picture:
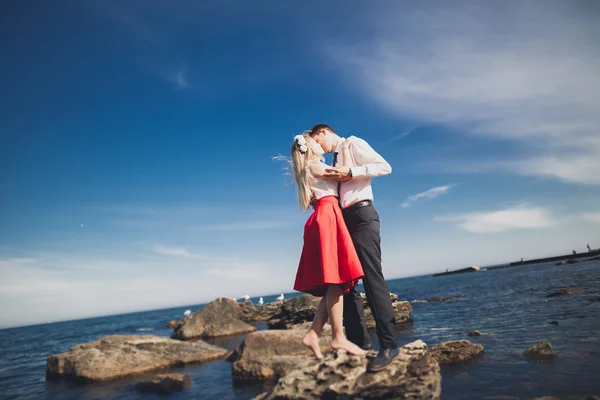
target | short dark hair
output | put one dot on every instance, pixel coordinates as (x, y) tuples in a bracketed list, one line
[(318, 127)]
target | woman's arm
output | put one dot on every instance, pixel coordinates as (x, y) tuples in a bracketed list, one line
[(317, 169), (346, 161)]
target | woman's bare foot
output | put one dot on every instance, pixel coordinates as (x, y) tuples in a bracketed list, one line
[(345, 344), (311, 340)]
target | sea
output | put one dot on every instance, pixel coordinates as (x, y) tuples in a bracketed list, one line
[(509, 304)]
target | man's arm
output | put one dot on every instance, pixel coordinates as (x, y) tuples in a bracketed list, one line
[(368, 162)]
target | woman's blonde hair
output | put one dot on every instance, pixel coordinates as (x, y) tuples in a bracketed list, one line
[(301, 155)]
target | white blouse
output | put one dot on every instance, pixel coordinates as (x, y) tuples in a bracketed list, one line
[(322, 187)]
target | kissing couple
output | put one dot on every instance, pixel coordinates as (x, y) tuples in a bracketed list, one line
[(342, 242)]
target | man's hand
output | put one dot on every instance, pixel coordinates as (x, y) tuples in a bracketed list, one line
[(341, 174)]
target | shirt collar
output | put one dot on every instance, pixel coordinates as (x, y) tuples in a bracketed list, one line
[(338, 148)]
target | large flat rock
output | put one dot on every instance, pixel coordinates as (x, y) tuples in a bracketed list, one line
[(268, 355), (414, 374), (115, 356)]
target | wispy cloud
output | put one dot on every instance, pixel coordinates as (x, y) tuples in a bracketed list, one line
[(171, 251), (526, 75), (521, 217), (428, 194), (592, 217), (399, 136)]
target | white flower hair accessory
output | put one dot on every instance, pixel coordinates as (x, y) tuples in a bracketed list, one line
[(301, 142)]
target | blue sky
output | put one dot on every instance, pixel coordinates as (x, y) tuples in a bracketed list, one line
[(137, 141)]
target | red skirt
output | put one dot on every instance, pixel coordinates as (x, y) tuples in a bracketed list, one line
[(328, 254)]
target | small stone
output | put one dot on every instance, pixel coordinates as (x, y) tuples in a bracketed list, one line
[(456, 352), (474, 333), (540, 350), (564, 291), (172, 324)]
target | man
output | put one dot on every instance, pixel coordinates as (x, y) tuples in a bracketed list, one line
[(356, 199)]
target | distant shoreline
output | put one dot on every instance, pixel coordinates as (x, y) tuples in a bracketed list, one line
[(564, 257)]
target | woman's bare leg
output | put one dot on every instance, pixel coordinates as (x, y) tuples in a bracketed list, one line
[(311, 340), (335, 309)]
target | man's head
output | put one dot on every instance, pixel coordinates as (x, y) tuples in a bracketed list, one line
[(325, 136)]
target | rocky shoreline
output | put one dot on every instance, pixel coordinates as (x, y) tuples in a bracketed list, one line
[(276, 355)]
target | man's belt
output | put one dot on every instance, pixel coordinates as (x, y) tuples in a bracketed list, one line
[(362, 203)]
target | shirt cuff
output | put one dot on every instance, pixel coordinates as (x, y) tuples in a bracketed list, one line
[(358, 171)]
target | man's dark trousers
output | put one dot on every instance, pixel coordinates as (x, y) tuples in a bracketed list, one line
[(363, 224)]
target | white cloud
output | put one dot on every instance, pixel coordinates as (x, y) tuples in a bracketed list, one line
[(171, 251), (502, 220), (592, 217), (523, 74), (428, 194)]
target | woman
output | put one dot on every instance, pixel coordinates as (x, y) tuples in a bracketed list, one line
[(329, 265)]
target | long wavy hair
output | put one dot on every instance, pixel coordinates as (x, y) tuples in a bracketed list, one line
[(299, 171)]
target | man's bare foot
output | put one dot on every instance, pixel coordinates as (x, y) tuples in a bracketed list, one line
[(345, 344), (311, 340)]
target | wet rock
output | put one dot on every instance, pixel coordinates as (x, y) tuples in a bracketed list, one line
[(414, 374), (165, 384), (564, 291), (268, 355), (218, 318), (553, 322), (456, 352), (115, 356), (172, 324), (402, 311), (540, 350), (438, 299), (475, 332), (572, 261)]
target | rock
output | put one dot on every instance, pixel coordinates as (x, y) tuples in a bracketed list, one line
[(269, 369), (218, 318), (165, 384), (268, 355), (564, 291), (172, 324), (438, 299), (115, 356), (402, 311), (474, 333), (456, 352), (301, 309), (393, 298), (572, 261), (247, 311), (553, 322), (540, 350), (414, 374), (267, 311), (295, 311)]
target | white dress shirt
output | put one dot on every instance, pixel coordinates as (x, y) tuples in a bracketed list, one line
[(365, 163)]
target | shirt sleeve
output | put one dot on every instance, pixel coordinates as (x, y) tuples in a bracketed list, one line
[(368, 162)]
